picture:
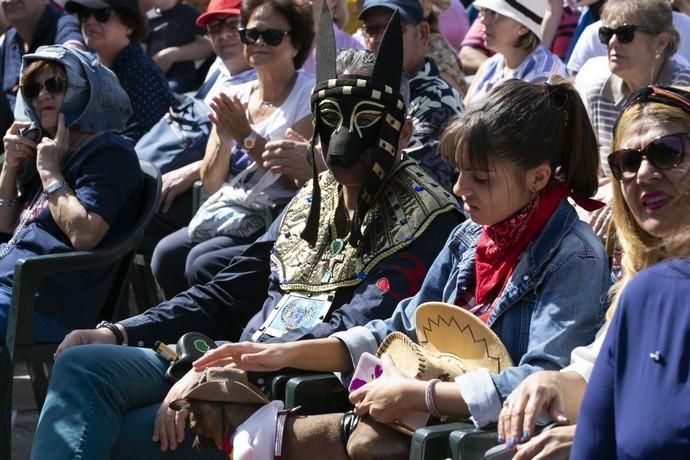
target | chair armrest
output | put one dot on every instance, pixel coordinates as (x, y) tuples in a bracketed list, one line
[(29, 272), (431, 442), (316, 393), (197, 193), (471, 444)]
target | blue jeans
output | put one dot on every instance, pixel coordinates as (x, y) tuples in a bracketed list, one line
[(101, 404), (46, 329)]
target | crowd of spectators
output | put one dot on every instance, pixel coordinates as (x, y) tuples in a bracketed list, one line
[(504, 113)]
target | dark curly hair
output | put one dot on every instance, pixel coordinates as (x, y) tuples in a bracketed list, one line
[(298, 14)]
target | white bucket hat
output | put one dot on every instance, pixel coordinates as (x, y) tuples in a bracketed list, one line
[(529, 13)]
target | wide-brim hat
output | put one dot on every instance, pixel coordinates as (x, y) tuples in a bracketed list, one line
[(221, 385), (219, 8), (529, 13), (451, 342)]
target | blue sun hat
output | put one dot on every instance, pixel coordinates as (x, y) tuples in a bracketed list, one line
[(94, 100)]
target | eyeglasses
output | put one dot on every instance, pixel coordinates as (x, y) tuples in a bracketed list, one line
[(625, 33), (100, 14), (54, 85), (664, 152), (272, 37), (215, 26), (490, 14)]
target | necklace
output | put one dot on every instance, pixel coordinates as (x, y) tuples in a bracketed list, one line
[(338, 244)]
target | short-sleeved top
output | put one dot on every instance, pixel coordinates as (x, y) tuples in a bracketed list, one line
[(296, 107), (106, 178), (146, 87), (54, 27), (538, 66), (603, 95), (637, 402), (433, 102), (224, 80), (173, 27)]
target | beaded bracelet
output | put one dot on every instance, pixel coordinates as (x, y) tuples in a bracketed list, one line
[(7, 203), (429, 398)]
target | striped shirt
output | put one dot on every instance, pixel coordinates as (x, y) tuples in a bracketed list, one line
[(604, 96), (538, 66)]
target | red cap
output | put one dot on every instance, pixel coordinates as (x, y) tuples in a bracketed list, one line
[(219, 7)]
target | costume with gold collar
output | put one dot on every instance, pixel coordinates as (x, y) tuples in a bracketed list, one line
[(409, 202)]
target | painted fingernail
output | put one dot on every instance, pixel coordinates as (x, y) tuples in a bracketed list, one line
[(499, 439), (511, 443), (525, 436)]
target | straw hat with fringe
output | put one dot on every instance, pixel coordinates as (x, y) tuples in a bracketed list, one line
[(452, 342)]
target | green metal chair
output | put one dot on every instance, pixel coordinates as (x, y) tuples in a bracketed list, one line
[(19, 344)]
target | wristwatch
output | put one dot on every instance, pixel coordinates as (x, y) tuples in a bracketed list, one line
[(249, 141), (54, 187)]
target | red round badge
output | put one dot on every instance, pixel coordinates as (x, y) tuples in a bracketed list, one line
[(383, 284)]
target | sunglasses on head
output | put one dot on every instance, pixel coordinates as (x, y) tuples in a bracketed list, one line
[(625, 33), (100, 14), (272, 37), (215, 26), (54, 85), (664, 152)]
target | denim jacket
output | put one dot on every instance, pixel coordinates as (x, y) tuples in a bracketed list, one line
[(553, 302)]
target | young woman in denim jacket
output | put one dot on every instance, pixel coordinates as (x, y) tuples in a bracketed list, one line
[(543, 274)]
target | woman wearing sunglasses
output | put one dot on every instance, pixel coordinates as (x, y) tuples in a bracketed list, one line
[(513, 31), (114, 30), (277, 37), (66, 183), (641, 40), (650, 168)]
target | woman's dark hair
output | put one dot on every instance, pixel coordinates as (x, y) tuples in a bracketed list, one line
[(300, 17), (135, 21), (529, 125), (32, 70)]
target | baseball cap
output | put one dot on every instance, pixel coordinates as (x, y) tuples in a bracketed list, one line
[(410, 10), (217, 8), (73, 6)]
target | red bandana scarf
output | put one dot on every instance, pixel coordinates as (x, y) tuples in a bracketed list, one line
[(500, 245)]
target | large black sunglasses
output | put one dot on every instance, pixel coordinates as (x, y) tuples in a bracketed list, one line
[(625, 33), (53, 85), (664, 152), (272, 37)]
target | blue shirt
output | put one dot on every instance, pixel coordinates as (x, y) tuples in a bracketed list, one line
[(146, 87), (106, 178), (433, 103), (54, 27), (637, 402)]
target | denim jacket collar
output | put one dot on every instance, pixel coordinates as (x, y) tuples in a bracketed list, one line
[(530, 267)]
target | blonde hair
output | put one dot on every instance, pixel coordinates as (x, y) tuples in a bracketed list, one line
[(641, 249)]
